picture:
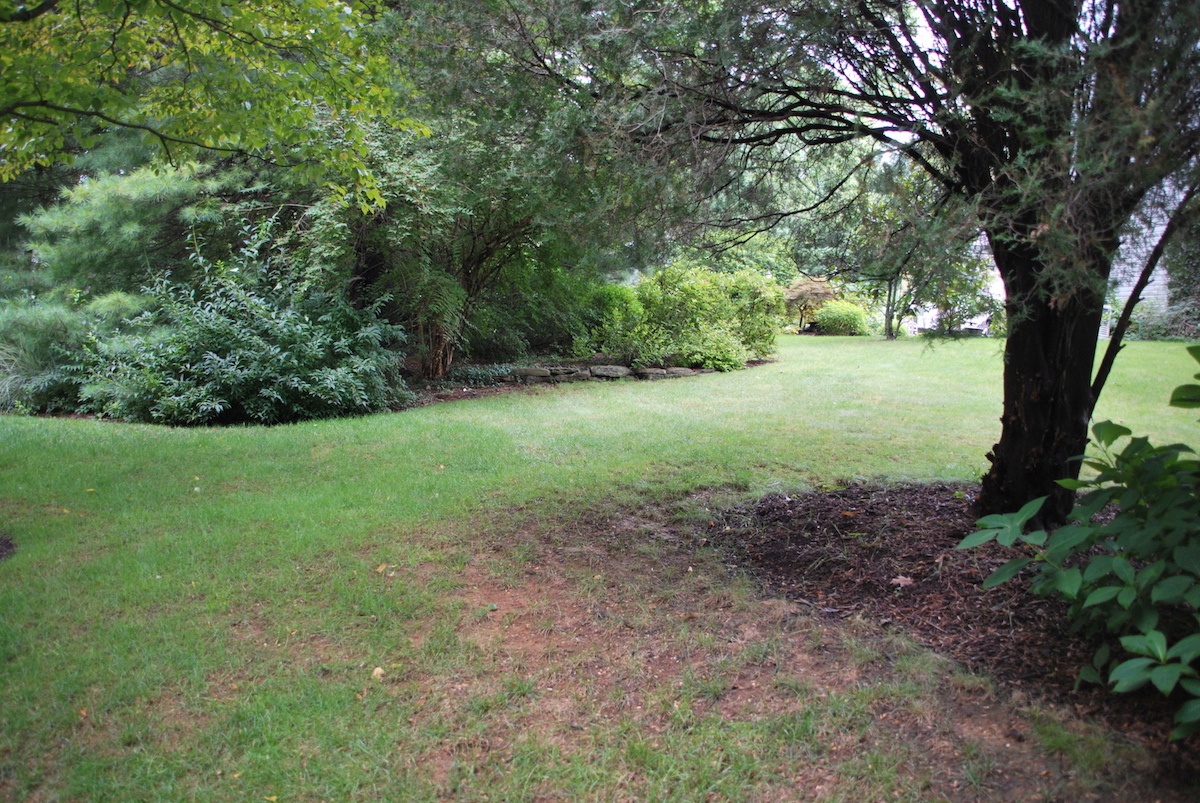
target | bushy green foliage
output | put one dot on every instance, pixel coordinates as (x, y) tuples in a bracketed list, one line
[(692, 317), (118, 232), (40, 344), (241, 349), (35, 341), (1136, 577), (842, 318), (1152, 321)]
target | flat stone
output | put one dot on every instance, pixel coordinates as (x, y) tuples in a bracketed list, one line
[(574, 376), (651, 373), (530, 372), (610, 371), (680, 372)]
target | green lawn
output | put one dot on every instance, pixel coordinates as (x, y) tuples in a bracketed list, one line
[(195, 614)]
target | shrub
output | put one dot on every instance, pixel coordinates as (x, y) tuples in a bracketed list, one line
[(842, 318), (35, 343), (238, 351), (1152, 321), (1136, 577), (40, 345), (692, 317)]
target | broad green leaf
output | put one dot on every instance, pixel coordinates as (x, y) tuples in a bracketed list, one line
[(1153, 644), (1186, 396), (1145, 618), (1101, 595), (1165, 677), (1188, 712), (1006, 572), (1099, 567), (1131, 674), (1170, 589), (1123, 570), (1031, 509), (1072, 485), (1189, 558), (975, 539), (1127, 596), (1107, 432), (1186, 649), (1191, 685), (1068, 582)]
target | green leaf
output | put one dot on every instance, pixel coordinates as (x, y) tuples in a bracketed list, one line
[(1171, 589), (1186, 649), (1123, 570), (1189, 558), (1072, 485), (1186, 396), (1191, 685), (978, 538), (1145, 618), (1127, 597), (1101, 595), (1068, 582), (1006, 572), (1165, 677), (1153, 644), (1031, 509), (1107, 432), (1089, 674), (1188, 712), (1131, 674), (1099, 567)]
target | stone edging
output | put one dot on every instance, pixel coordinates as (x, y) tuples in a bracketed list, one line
[(577, 373)]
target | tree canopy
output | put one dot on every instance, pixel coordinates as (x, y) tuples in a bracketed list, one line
[(251, 77)]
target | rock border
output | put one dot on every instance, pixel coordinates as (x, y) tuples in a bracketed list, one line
[(528, 375)]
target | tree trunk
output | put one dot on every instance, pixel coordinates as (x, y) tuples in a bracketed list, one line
[(1047, 389)]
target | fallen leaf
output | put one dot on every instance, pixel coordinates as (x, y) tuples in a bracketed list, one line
[(380, 568), (378, 673), (902, 581)]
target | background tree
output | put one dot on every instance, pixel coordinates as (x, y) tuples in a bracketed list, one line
[(1053, 119)]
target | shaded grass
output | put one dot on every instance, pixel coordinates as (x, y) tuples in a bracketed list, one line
[(198, 613)]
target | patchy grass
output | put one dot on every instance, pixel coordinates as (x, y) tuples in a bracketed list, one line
[(503, 598)]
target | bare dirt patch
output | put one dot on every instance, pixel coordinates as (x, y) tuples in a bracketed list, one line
[(887, 553), (621, 621)]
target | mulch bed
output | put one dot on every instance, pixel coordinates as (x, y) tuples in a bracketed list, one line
[(888, 553)]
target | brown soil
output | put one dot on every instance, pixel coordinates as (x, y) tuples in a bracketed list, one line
[(888, 554), (7, 545)]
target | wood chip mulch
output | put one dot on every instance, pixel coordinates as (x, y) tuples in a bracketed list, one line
[(887, 553)]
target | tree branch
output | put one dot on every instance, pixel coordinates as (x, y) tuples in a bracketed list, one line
[(26, 14), (1118, 334)]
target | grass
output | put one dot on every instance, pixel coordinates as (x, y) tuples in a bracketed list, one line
[(199, 613)]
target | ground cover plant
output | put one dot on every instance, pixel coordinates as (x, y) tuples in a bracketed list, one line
[(516, 597)]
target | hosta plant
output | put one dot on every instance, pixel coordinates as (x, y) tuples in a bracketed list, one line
[(1135, 575)]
